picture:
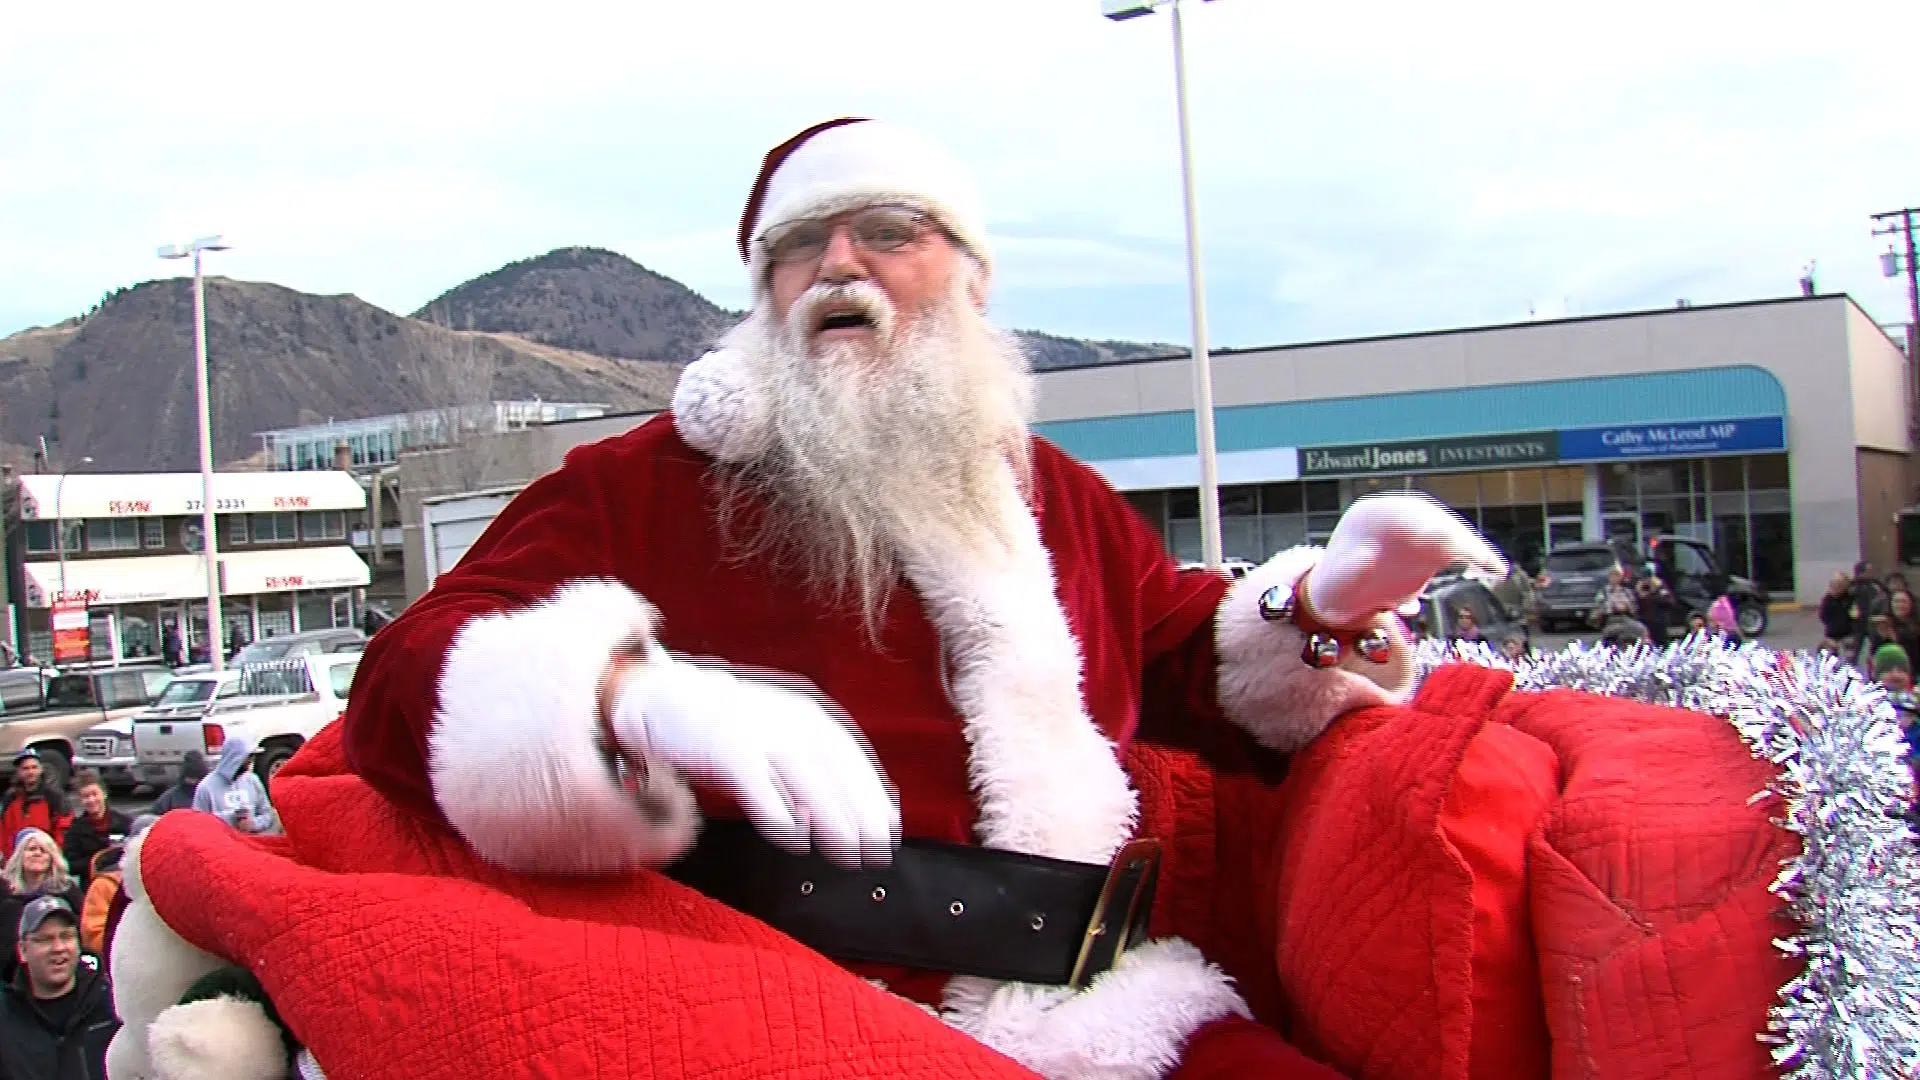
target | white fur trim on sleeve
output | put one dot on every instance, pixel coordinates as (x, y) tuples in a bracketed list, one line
[(513, 754), (1131, 1023), (1267, 689)]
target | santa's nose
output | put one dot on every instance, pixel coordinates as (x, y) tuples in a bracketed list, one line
[(841, 261)]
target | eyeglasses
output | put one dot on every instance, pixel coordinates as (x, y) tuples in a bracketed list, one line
[(878, 228)]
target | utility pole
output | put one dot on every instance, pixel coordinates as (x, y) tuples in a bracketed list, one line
[(1901, 222)]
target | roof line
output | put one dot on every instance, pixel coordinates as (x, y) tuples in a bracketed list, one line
[(1520, 325)]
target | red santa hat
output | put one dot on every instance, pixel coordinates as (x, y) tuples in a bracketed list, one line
[(845, 164)]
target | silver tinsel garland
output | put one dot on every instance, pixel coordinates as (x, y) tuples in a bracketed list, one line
[(1854, 889)]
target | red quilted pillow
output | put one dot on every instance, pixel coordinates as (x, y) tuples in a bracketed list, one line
[(1403, 939)]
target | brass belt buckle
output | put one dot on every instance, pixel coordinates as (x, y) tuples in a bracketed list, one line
[(1142, 855)]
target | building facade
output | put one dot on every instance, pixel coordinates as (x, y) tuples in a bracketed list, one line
[(130, 547), (1778, 432), (379, 440)]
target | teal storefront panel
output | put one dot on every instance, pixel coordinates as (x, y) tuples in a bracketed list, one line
[(1741, 391)]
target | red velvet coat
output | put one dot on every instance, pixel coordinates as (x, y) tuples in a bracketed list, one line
[(638, 508)]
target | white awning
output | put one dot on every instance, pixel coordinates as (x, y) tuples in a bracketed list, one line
[(184, 577), (245, 573), (117, 581), (100, 495)]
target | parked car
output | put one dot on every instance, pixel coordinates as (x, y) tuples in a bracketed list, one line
[(279, 705), (1447, 594), (1696, 578), (1572, 577), (108, 748), (23, 689), (74, 702), (1575, 574), (339, 639), (1233, 568)]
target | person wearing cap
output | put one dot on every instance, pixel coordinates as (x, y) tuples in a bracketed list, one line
[(57, 1018), (31, 802), (847, 652), (36, 868)]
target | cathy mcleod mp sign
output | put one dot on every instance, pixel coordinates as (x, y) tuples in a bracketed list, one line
[(1432, 455)]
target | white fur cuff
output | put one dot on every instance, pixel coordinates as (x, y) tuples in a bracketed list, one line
[(1264, 685), (222, 1038), (514, 756), (1131, 1023)]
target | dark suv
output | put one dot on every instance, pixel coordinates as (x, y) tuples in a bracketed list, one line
[(1571, 577), (1575, 574)]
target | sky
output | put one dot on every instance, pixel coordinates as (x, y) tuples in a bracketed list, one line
[(1361, 168)]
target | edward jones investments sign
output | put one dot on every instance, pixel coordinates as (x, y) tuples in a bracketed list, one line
[(1432, 455)]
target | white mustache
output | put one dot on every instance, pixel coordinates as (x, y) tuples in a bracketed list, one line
[(803, 318)]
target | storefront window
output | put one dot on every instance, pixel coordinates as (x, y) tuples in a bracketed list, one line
[(153, 533), (139, 632), (276, 614), (235, 532), (316, 610)]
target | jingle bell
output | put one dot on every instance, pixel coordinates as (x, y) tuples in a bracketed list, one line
[(1276, 604), (1321, 651), (1374, 646)]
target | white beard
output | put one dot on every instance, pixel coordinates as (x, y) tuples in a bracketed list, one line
[(878, 453)]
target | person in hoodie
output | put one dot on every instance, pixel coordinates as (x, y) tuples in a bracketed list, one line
[(193, 769), (232, 793)]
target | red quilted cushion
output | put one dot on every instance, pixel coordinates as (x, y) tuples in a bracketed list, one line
[(1401, 934), (1506, 782), (1651, 909), (388, 964), (1637, 944)]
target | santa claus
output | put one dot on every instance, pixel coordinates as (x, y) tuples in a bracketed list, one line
[(892, 649)]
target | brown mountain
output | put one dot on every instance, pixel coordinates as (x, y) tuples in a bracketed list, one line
[(586, 299), (118, 385), (575, 324)]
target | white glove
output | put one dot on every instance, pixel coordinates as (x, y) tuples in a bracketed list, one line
[(1384, 551), (796, 765)]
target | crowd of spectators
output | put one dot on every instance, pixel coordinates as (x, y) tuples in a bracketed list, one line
[(61, 896)]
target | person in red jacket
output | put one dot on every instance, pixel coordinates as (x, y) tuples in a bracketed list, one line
[(31, 803)]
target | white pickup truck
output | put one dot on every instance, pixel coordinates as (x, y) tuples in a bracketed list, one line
[(280, 705)]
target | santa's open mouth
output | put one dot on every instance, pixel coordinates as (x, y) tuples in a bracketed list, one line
[(845, 320)]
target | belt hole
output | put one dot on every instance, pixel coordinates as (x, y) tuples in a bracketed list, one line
[(1038, 922), (879, 893), (806, 888), (956, 909)]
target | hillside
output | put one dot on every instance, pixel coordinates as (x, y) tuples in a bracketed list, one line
[(575, 324), (585, 299), (1049, 352), (119, 386), (605, 303)]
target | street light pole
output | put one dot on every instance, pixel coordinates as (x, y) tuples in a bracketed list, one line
[(209, 539), (1204, 444), (60, 525)]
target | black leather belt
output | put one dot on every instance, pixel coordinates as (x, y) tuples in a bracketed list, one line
[(940, 907)]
